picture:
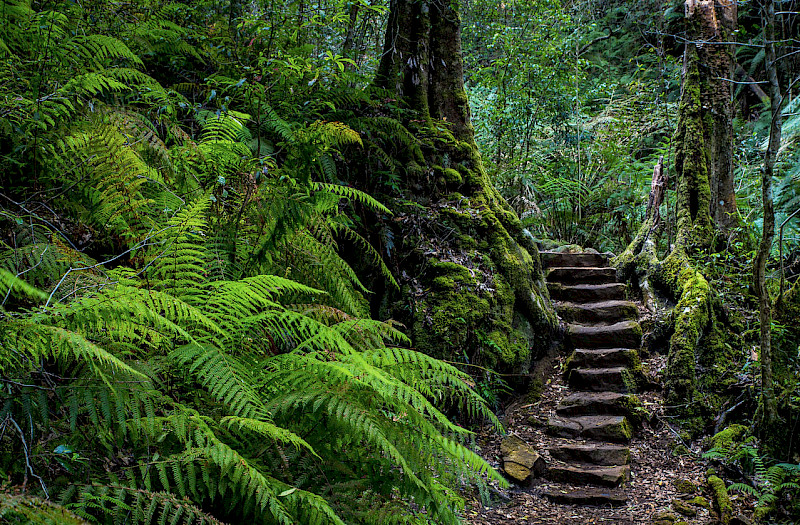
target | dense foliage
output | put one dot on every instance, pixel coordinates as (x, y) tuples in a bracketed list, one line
[(192, 258), (180, 338)]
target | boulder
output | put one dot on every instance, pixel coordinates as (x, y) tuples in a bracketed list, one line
[(520, 460)]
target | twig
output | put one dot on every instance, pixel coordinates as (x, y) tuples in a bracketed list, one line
[(27, 456)]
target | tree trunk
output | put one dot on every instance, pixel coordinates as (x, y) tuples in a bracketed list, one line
[(706, 205), (472, 285), (768, 401), (711, 26)]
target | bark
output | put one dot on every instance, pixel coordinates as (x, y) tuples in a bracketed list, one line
[(706, 205), (473, 286), (349, 37), (768, 402), (422, 62), (711, 26)]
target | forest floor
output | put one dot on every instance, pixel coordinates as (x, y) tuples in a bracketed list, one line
[(657, 466)]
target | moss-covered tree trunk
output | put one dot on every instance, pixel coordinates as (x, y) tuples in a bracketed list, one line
[(472, 284), (706, 205), (711, 26), (769, 404)]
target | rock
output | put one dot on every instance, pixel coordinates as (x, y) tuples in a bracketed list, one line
[(582, 275), (682, 507), (615, 379), (553, 259), (624, 334), (740, 520), (587, 293), (729, 436), (700, 501), (604, 476), (603, 358), (684, 486), (535, 422), (591, 250), (602, 428), (599, 312), (596, 454), (569, 248), (601, 403), (545, 244), (520, 460), (661, 518), (592, 496)]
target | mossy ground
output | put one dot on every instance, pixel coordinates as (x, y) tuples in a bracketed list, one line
[(22, 510)]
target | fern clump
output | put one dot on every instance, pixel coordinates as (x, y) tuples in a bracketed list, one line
[(183, 338)]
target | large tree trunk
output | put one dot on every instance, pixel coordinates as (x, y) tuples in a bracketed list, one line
[(706, 205), (472, 284), (769, 404), (711, 26)]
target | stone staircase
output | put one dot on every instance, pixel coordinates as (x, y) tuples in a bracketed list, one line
[(601, 413)]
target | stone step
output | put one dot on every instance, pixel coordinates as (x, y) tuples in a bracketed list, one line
[(573, 260), (588, 497), (615, 379), (594, 454), (589, 475), (602, 428), (586, 293), (579, 275), (602, 312), (603, 358), (625, 334), (601, 404)]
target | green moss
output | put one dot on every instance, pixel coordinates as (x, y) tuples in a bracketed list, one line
[(722, 502), (724, 439), (456, 217), (629, 379), (467, 242), (452, 177), (695, 227), (22, 510), (693, 314), (535, 391), (700, 501), (444, 283), (681, 507), (680, 450), (621, 432), (455, 271), (684, 486)]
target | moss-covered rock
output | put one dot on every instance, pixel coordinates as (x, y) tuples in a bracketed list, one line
[(684, 486), (727, 437), (700, 501), (722, 501), (663, 518), (520, 460), (682, 507)]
